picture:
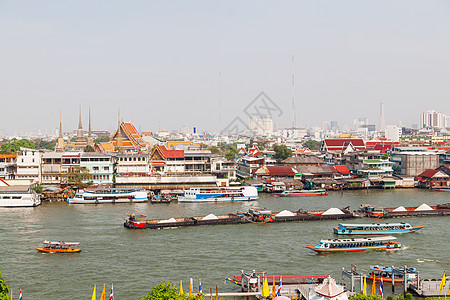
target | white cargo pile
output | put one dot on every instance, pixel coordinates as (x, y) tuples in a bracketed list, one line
[(210, 217), (285, 213), (171, 220), (333, 211), (423, 207), (400, 208)]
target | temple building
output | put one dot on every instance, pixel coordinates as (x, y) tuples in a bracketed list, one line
[(125, 139), (80, 141)]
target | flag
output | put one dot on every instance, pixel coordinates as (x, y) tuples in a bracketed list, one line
[(20, 295), (279, 288), (364, 287), (373, 284), (442, 285), (93, 294), (190, 287), (381, 286), (102, 297), (181, 288), (200, 292), (217, 293), (274, 291), (265, 291), (111, 296), (210, 294)]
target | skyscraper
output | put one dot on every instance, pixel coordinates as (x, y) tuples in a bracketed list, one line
[(382, 121)]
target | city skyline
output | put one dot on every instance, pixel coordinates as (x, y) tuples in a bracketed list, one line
[(202, 63)]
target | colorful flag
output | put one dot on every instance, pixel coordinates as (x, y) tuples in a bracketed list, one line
[(217, 293), (181, 288), (279, 288), (364, 287), (102, 297), (200, 292), (20, 295), (111, 296), (442, 285), (381, 286), (190, 286), (274, 291), (93, 294), (373, 284)]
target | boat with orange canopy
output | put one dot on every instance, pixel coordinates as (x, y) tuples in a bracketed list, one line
[(59, 247)]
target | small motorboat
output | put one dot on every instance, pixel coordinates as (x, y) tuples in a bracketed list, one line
[(59, 247)]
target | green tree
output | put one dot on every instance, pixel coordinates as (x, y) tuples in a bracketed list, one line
[(13, 146), (362, 297), (228, 150), (215, 150), (4, 289), (281, 152), (42, 144), (38, 188), (78, 176), (102, 139), (89, 148), (168, 291), (312, 144)]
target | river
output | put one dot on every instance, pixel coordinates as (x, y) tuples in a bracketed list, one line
[(135, 260)]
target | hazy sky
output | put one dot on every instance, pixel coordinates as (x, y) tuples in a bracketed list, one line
[(159, 61)]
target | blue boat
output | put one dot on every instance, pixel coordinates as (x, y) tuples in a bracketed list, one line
[(375, 229), (219, 194)]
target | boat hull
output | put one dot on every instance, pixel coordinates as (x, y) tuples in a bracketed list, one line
[(44, 250), (375, 232), (302, 194), (392, 246), (215, 199), (98, 201)]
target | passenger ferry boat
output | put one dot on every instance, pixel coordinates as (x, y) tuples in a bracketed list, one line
[(114, 195), (59, 247), (18, 196), (378, 272), (219, 194), (299, 193), (375, 229), (353, 245)]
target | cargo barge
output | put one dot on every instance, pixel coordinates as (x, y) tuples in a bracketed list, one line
[(254, 215), (424, 210)]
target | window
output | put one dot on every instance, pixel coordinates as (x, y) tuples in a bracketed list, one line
[(106, 168), (95, 168)]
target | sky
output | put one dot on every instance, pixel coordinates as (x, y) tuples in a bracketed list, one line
[(169, 64)]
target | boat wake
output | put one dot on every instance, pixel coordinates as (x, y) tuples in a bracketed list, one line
[(419, 260)]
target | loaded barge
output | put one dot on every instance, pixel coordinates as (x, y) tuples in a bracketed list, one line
[(424, 210), (254, 215)]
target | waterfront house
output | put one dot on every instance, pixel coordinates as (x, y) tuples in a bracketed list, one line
[(247, 165), (274, 172), (412, 161), (433, 179), (132, 163), (100, 166), (29, 164), (8, 166)]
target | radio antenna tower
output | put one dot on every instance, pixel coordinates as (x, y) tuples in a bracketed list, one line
[(293, 97)]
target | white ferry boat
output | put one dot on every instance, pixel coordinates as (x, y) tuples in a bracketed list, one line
[(219, 194), (113, 195), (18, 196)]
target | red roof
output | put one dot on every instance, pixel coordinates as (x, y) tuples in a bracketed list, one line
[(171, 153), (340, 144), (280, 170), (428, 173), (342, 169)]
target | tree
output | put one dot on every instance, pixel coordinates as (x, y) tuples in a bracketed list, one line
[(312, 144), (215, 150), (41, 144), (13, 146), (281, 152), (102, 139), (168, 291), (4, 289), (37, 188), (78, 176), (88, 148)]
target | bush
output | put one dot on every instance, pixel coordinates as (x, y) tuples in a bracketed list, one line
[(362, 297), (4, 289), (168, 291)]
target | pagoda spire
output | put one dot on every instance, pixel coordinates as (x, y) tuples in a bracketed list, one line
[(80, 125), (119, 138), (90, 139), (60, 143)]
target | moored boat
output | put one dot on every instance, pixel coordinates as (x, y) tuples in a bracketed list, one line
[(353, 245), (375, 229), (299, 193), (18, 196), (372, 210), (113, 195), (59, 247), (219, 194), (378, 272)]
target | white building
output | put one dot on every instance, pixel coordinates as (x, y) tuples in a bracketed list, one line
[(133, 163), (262, 126), (29, 164), (100, 166), (393, 133)]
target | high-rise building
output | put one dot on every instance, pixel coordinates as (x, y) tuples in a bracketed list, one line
[(393, 133), (382, 121), (434, 119)]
